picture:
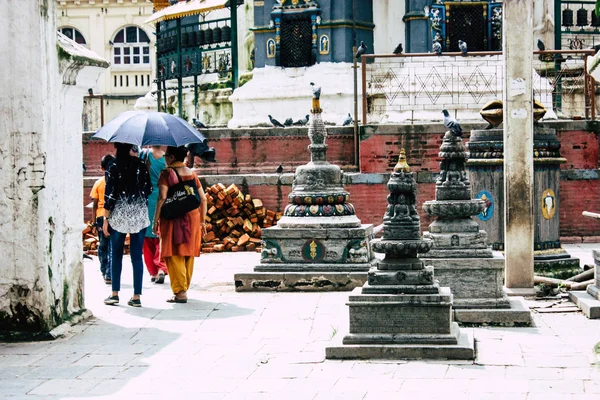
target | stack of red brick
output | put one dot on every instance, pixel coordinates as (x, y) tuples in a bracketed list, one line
[(234, 220)]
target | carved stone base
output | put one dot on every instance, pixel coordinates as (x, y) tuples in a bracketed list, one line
[(475, 283), (404, 326), (418, 314), (459, 245), (463, 350), (328, 245)]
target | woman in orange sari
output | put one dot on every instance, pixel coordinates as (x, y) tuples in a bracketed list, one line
[(180, 238)]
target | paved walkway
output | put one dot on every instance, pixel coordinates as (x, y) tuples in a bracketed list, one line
[(225, 345)]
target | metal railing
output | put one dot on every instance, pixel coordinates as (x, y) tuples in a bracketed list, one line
[(411, 83)]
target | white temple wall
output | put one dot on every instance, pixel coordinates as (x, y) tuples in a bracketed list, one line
[(41, 279), (389, 28)]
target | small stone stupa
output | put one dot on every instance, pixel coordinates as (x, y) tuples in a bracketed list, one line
[(461, 256), (402, 312), (319, 244)]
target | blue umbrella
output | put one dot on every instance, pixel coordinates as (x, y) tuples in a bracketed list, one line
[(145, 128)]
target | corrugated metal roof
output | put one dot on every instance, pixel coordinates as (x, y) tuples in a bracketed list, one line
[(186, 8)]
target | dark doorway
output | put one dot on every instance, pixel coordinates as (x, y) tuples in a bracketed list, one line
[(296, 43), (467, 23)]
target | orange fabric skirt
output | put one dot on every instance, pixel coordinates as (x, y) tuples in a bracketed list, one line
[(191, 248)]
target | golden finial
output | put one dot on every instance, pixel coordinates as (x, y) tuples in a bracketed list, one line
[(402, 165)]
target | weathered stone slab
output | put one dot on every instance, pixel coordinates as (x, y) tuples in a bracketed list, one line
[(315, 268), (474, 282), (404, 314), (460, 253), (404, 338), (453, 226), (588, 304), (463, 350), (402, 277), (298, 281), (458, 240), (517, 314), (348, 221)]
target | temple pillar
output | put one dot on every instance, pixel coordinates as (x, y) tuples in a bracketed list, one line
[(418, 35), (518, 142)]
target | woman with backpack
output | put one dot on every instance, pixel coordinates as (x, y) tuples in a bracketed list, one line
[(180, 237), (126, 212)]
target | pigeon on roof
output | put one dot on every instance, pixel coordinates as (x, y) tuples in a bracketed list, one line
[(348, 120), (275, 122), (302, 121)]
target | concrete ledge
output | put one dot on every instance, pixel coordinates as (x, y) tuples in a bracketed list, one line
[(464, 350), (316, 281), (589, 305), (519, 291), (317, 268), (517, 315)]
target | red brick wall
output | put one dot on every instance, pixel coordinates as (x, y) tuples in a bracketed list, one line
[(261, 151)]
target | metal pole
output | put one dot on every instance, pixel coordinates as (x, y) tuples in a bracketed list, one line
[(179, 78), (158, 91), (234, 43), (355, 68), (196, 96), (364, 89)]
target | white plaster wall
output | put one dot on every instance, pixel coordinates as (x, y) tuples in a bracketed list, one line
[(389, 28), (41, 279), (286, 93), (543, 23)]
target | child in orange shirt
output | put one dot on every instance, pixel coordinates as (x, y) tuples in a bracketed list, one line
[(97, 195)]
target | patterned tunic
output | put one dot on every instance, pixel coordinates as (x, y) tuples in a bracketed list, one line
[(128, 205)]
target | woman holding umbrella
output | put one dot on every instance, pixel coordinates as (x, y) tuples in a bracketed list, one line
[(130, 179), (180, 238), (126, 211)]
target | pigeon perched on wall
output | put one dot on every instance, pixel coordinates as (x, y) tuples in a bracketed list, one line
[(437, 47), (303, 121), (279, 169), (288, 122), (463, 47), (398, 49), (198, 124), (362, 49), (540, 45), (316, 91), (348, 120), (275, 122), (200, 150), (452, 124)]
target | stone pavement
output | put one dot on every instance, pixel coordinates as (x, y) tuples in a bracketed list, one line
[(228, 345)]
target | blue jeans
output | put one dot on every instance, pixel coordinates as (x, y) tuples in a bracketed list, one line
[(136, 243), (103, 250)]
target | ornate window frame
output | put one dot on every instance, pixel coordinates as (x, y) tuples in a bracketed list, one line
[(130, 47)]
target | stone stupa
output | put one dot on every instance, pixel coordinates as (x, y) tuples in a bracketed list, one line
[(460, 255), (402, 312), (319, 244)]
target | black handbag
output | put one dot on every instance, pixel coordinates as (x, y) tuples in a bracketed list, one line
[(182, 198)]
